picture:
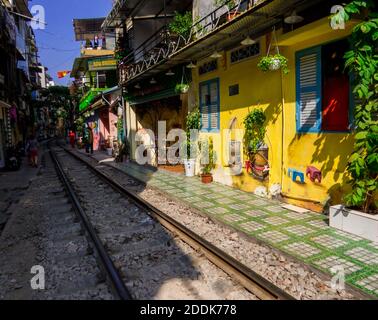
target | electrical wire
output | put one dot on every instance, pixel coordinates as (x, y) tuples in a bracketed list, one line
[(63, 62), (58, 49)]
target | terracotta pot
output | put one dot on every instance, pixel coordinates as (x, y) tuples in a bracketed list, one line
[(232, 15), (206, 178)]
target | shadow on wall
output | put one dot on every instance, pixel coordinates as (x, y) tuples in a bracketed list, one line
[(331, 153)]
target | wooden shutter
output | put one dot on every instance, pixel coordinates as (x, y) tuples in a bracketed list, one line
[(209, 105), (214, 105), (308, 87), (204, 107)]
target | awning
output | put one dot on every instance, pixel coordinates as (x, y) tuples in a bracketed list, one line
[(87, 29), (167, 93), (22, 6), (4, 105), (112, 90)]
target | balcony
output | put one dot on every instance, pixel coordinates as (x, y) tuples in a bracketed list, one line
[(163, 46), (220, 29)]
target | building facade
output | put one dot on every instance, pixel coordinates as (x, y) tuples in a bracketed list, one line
[(18, 75), (96, 81), (308, 111)]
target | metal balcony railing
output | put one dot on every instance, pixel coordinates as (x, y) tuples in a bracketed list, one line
[(162, 45)]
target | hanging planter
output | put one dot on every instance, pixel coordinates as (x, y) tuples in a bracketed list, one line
[(182, 88), (273, 62)]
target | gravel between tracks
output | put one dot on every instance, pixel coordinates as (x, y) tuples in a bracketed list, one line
[(42, 231), (154, 263)]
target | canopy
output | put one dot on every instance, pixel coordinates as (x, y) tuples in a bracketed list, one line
[(87, 29)]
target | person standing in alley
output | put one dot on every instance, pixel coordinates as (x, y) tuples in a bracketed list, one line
[(89, 139), (27, 150), (71, 136), (33, 151)]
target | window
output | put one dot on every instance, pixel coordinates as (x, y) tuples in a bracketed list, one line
[(323, 89), (245, 52), (209, 105), (208, 67)]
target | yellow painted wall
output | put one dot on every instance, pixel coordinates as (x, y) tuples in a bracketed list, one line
[(326, 151), (253, 89), (270, 91)]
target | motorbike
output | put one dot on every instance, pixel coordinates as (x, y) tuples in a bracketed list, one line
[(13, 158)]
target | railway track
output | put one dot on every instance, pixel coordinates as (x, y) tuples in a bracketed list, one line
[(146, 253), (71, 267)]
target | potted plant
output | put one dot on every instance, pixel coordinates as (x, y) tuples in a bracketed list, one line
[(124, 152), (273, 63), (232, 11), (207, 151), (190, 159), (182, 88), (359, 213), (255, 130), (181, 25), (193, 122)]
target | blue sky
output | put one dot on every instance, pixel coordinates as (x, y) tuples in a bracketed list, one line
[(57, 45)]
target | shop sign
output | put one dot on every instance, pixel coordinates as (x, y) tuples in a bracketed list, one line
[(97, 65)]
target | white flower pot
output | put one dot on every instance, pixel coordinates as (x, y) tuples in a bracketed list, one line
[(185, 89), (358, 223), (109, 151), (275, 65), (190, 166)]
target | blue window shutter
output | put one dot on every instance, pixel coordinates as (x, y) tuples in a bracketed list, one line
[(214, 106), (209, 105), (204, 108), (309, 90)]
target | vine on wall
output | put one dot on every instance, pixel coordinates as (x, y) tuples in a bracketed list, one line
[(362, 62)]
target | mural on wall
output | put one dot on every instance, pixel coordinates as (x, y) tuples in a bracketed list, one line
[(295, 174), (312, 173)]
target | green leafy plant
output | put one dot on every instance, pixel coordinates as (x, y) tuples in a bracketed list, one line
[(124, 150), (182, 88), (181, 24), (207, 146), (255, 130), (362, 62), (273, 62), (229, 3), (120, 124), (193, 122)]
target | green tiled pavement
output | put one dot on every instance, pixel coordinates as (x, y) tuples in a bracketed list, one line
[(305, 236)]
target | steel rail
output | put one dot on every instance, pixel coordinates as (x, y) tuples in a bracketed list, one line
[(248, 278), (107, 263)]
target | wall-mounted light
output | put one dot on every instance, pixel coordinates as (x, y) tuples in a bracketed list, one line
[(248, 41), (191, 65), (137, 86), (293, 18), (153, 81), (170, 73), (216, 55)]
